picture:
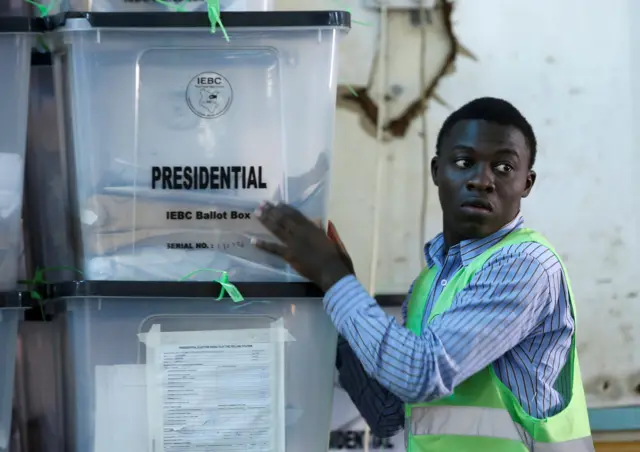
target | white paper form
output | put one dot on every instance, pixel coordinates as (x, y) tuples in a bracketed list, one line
[(121, 409), (215, 391)]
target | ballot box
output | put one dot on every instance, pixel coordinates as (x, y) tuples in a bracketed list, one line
[(167, 366), (38, 395), (46, 212), (11, 312), (16, 38), (164, 6), (175, 135)]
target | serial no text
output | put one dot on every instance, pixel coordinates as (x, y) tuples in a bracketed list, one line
[(207, 215)]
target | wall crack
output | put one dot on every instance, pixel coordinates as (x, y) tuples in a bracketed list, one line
[(398, 127)]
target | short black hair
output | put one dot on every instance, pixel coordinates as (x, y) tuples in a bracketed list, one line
[(491, 109)]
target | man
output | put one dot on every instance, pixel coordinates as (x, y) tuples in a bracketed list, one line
[(486, 360)]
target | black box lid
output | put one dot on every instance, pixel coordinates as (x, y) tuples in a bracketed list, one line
[(188, 289), (171, 289), (15, 299), (22, 24), (271, 19)]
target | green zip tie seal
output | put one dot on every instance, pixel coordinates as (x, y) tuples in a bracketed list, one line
[(213, 10), (226, 286), (38, 280), (171, 5), (44, 10)]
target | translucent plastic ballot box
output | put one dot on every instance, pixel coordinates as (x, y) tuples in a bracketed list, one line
[(38, 421), (164, 6), (175, 135), (16, 38), (46, 211), (167, 366), (11, 312)]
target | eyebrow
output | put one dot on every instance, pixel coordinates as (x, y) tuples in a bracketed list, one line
[(509, 151), (502, 151), (462, 147)]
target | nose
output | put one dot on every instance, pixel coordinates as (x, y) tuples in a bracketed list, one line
[(482, 179)]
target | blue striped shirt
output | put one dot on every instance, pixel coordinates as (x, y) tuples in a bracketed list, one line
[(515, 313)]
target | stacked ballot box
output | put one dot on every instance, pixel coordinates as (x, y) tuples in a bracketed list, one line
[(151, 142), (12, 307), (166, 366), (173, 136), (17, 35)]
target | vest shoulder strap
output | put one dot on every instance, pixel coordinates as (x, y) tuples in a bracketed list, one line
[(466, 273), (418, 300), (424, 283), (513, 238)]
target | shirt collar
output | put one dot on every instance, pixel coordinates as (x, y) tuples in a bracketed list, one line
[(468, 249)]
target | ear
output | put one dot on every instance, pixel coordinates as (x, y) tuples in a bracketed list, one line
[(434, 170), (531, 179)]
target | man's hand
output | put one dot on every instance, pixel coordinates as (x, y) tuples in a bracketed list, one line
[(305, 245), (332, 233)]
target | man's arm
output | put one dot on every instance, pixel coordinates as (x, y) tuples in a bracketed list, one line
[(383, 411), (502, 304)]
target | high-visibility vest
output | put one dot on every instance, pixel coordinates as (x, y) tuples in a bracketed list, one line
[(482, 414)]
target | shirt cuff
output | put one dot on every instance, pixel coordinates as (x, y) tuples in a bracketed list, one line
[(344, 299)]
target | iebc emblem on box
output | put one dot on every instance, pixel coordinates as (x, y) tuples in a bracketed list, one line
[(209, 95)]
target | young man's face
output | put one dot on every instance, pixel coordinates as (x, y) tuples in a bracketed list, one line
[(482, 172)]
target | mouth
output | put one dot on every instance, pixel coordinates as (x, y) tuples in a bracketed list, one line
[(477, 205)]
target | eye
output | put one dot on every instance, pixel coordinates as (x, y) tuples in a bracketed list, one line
[(463, 163), (504, 168)]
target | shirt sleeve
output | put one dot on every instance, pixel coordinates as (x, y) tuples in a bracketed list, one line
[(501, 306), (382, 410)]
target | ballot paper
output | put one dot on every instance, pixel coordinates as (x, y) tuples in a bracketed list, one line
[(215, 391)]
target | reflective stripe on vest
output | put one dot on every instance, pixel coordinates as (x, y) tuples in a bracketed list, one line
[(486, 422)]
